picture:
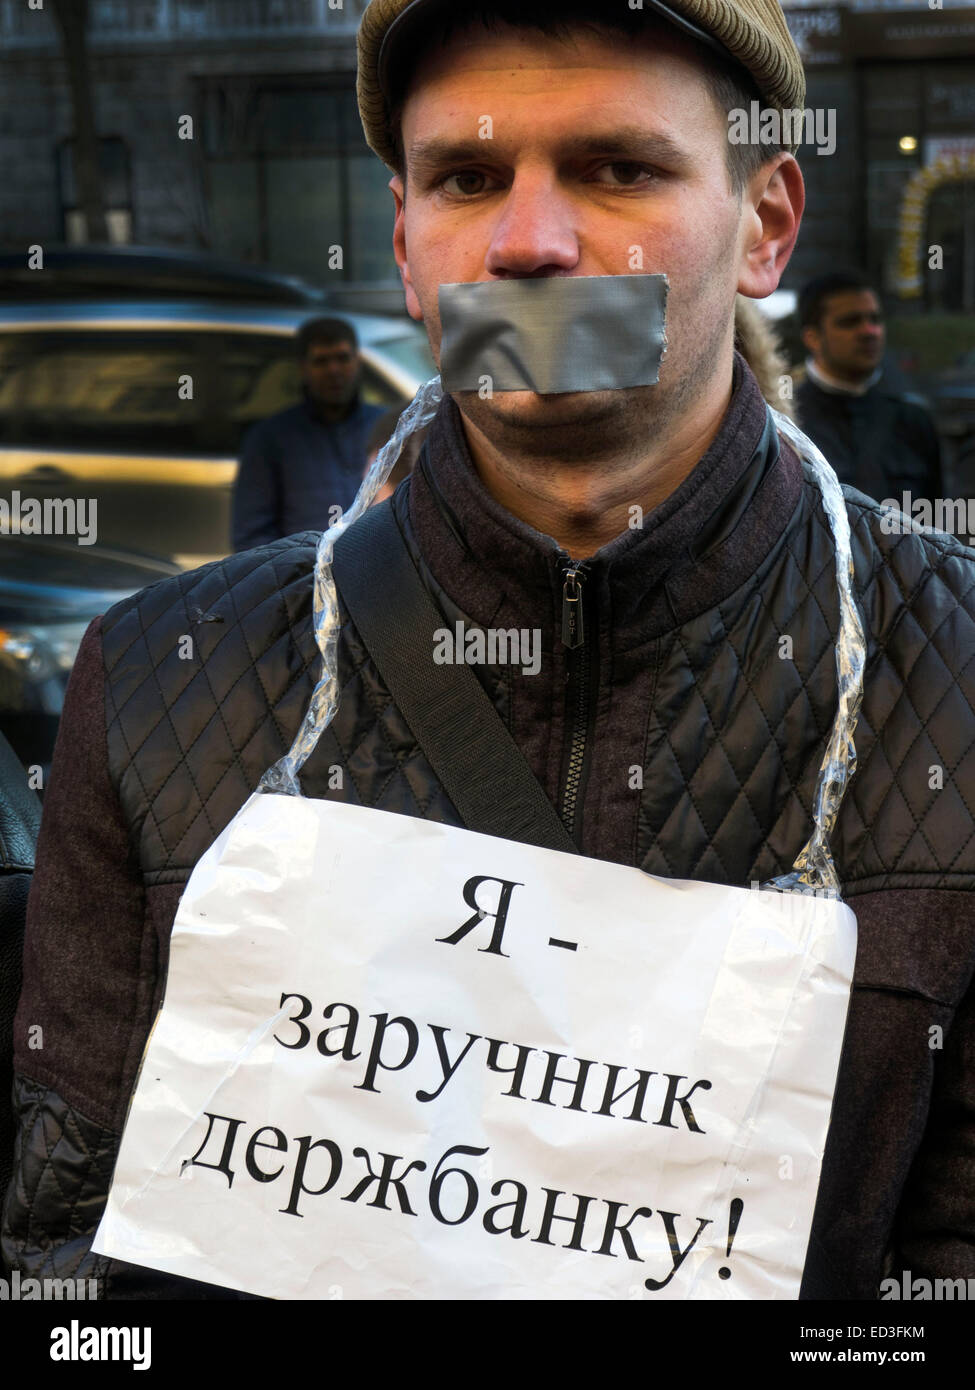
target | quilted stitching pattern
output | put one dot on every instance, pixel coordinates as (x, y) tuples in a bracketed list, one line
[(737, 732), (736, 727), (919, 713), (371, 739), (63, 1166), (735, 736), (241, 630)]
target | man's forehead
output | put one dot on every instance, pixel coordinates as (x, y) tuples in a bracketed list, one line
[(489, 56), (852, 302), (330, 349), (600, 76)]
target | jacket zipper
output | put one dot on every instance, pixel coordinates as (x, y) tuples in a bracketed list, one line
[(578, 693)]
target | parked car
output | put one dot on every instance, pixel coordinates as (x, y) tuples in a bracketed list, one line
[(141, 405), (173, 272), (50, 589), (149, 272)]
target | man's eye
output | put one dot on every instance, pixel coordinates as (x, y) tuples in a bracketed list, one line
[(467, 183), (465, 178), (626, 175)]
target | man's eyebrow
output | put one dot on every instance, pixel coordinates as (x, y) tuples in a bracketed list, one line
[(427, 156)]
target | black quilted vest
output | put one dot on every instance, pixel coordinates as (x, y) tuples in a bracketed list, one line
[(208, 675)]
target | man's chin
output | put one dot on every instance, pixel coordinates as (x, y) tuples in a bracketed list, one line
[(869, 358), (530, 410)]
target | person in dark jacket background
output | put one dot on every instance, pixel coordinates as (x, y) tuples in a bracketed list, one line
[(879, 438), (299, 464)]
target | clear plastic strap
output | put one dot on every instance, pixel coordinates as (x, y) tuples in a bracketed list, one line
[(283, 776), (814, 870)]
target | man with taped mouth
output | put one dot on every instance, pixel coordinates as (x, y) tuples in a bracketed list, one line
[(572, 226)]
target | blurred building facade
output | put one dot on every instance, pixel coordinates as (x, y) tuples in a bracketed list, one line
[(277, 170), (901, 79)]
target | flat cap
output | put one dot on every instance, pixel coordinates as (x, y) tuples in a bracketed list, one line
[(751, 33)]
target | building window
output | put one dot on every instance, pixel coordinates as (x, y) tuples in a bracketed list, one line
[(116, 184), (290, 176), (915, 117), (951, 225)]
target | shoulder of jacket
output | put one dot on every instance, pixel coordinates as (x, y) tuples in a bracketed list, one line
[(908, 818), (250, 590), (909, 403), (923, 562), (920, 557), (915, 400), (264, 422), (281, 419), (915, 587), (287, 415)]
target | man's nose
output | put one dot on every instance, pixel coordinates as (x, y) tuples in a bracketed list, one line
[(535, 228)]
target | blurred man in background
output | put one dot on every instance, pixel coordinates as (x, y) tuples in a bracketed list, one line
[(300, 464), (878, 437)]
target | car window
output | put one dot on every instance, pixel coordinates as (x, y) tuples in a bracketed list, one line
[(376, 390), (259, 375), (101, 390), (410, 351), (11, 354)]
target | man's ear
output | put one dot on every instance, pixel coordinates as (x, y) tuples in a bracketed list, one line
[(399, 248), (772, 205), (811, 339)]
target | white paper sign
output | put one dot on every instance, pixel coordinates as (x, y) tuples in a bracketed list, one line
[(400, 1060)]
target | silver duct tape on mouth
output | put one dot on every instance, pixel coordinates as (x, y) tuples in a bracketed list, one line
[(552, 335)]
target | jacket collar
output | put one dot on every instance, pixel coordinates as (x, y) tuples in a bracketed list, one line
[(692, 551), (834, 387)]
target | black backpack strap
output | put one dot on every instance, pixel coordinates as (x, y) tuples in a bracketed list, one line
[(478, 763)]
